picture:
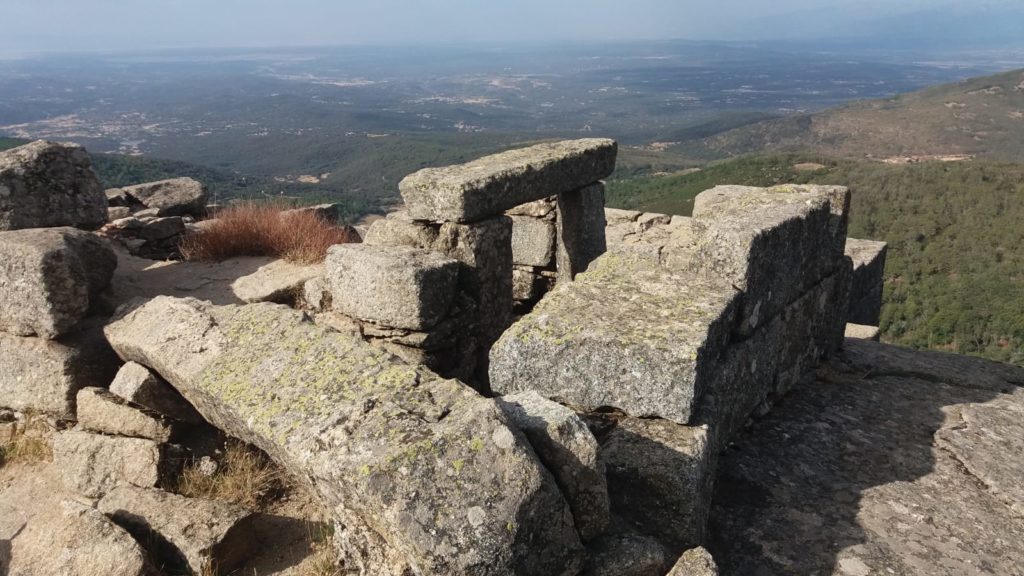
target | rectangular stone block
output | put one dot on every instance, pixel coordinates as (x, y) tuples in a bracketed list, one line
[(533, 241), (641, 339), (101, 411), (94, 464), (46, 184), (489, 186), (395, 286), (581, 229), (49, 278), (660, 479), (46, 375), (772, 243), (173, 197), (867, 281), (136, 384)]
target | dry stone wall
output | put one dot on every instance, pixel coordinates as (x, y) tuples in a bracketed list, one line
[(504, 378)]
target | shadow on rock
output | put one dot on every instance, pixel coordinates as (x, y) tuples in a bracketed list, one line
[(848, 476)]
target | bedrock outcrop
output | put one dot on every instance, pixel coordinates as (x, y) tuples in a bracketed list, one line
[(422, 474)]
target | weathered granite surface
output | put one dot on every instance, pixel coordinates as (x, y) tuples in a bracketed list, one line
[(103, 412), (136, 384), (695, 562), (893, 462), (638, 338), (187, 533), (660, 479), (93, 464), (868, 276), (49, 278), (45, 375), (533, 241), (581, 230), (174, 197), (395, 286), (772, 243), (279, 281), (46, 184), (570, 452), (421, 473), (489, 186), (75, 540)]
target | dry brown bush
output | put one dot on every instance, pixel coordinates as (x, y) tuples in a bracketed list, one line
[(266, 230), (245, 476)]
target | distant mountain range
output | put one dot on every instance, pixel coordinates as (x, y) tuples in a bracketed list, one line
[(981, 117)]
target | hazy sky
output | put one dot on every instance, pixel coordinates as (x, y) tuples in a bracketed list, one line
[(63, 25)]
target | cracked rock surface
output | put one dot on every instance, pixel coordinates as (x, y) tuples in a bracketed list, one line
[(894, 462)]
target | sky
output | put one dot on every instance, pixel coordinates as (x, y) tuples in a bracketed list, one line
[(33, 26)]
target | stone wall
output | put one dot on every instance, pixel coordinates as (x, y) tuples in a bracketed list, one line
[(504, 378)]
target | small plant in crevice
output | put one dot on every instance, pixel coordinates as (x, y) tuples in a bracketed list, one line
[(244, 476), (28, 442)]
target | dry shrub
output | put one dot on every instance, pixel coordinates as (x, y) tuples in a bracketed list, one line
[(28, 444), (244, 476), (265, 230), (324, 559)]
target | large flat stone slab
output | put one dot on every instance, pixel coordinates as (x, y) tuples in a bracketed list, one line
[(398, 287), (489, 186), (423, 474), (49, 278), (94, 464), (46, 184), (639, 338), (173, 197)]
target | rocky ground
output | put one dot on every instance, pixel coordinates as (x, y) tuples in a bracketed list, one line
[(893, 462)]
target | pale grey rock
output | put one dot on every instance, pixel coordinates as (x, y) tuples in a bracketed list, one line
[(581, 230), (72, 539), (423, 474), (93, 464), (616, 217), (988, 442), (862, 332), (625, 554), (46, 184), (279, 281), (101, 411), (147, 213), (489, 186), (395, 286), (772, 243), (525, 284), (174, 197), (161, 228), (569, 450), (543, 208), (191, 533), (649, 220), (399, 230), (316, 293), (484, 251), (640, 339), (868, 277), (861, 472), (660, 479), (695, 562), (45, 375), (116, 198), (533, 241), (118, 212), (136, 384), (49, 278), (128, 223), (328, 212)]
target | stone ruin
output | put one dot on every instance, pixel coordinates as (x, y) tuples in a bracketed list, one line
[(504, 378)]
